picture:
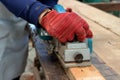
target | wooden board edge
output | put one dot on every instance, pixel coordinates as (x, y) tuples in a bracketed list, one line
[(85, 73)]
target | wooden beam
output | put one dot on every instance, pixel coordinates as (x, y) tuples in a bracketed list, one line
[(85, 73), (107, 6)]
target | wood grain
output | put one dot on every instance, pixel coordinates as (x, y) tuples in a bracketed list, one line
[(85, 73)]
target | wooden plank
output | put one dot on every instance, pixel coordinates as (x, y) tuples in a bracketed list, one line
[(102, 18), (106, 45), (85, 73), (107, 6), (104, 69)]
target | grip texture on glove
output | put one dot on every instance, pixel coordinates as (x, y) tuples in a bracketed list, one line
[(65, 26)]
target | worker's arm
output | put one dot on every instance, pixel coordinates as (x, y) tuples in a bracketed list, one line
[(27, 9), (63, 26)]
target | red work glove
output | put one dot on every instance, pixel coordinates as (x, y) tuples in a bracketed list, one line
[(65, 26)]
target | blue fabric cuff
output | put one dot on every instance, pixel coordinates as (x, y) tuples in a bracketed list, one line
[(35, 11)]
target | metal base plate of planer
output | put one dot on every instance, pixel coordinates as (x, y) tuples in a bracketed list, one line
[(73, 64), (74, 54)]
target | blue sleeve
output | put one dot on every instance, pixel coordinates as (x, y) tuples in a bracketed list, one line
[(26, 9), (49, 2)]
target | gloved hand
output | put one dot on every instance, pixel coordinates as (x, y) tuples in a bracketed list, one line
[(65, 26)]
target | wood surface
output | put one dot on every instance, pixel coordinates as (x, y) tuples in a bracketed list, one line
[(106, 40), (107, 6), (85, 73), (106, 45)]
